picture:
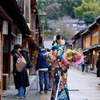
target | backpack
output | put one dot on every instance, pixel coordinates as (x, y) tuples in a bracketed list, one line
[(20, 64), (25, 54)]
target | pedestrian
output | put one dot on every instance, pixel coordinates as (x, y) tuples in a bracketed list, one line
[(49, 67), (98, 66), (25, 54), (42, 68), (86, 62), (21, 79), (83, 67), (59, 69)]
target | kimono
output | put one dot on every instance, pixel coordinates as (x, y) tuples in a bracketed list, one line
[(59, 73)]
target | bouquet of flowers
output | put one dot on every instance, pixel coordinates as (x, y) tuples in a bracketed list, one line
[(73, 57)]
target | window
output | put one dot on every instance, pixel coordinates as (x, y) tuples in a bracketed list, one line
[(88, 38), (74, 25), (95, 34)]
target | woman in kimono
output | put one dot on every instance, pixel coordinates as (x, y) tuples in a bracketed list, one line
[(59, 69)]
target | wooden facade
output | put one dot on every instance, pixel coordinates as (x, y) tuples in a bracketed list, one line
[(90, 41), (1, 57), (12, 15)]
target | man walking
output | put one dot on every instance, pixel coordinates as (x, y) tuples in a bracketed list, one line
[(42, 67)]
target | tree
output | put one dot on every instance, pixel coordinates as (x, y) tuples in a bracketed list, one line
[(67, 32), (66, 7), (53, 11), (46, 25), (87, 5), (89, 17)]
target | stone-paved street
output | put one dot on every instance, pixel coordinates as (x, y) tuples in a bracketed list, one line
[(81, 87)]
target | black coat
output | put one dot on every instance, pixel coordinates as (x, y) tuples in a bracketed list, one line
[(20, 78), (98, 67), (25, 54)]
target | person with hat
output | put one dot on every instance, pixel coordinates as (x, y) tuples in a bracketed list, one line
[(21, 79)]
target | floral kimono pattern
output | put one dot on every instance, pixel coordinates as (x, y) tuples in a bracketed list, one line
[(59, 72)]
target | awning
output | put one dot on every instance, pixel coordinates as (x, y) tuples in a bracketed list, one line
[(86, 50), (12, 9), (98, 19), (90, 48)]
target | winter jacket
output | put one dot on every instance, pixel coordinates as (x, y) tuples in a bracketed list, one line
[(25, 54), (20, 78), (41, 61)]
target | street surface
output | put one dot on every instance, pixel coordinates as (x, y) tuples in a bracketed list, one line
[(81, 87)]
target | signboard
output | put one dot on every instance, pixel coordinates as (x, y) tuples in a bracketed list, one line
[(5, 28), (19, 38)]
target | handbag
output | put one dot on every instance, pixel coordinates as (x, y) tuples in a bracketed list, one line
[(20, 64)]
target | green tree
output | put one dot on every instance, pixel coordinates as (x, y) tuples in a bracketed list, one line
[(67, 7), (87, 5), (89, 17), (53, 11)]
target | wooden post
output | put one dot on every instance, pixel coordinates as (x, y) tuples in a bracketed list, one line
[(42, 33), (1, 62), (98, 33)]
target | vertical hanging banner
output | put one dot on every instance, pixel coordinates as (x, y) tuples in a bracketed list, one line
[(5, 28)]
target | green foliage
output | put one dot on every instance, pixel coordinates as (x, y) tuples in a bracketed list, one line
[(87, 8), (73, 8), (67, 7), (53, 11), (49, 33), (46, 25), (89, 17)]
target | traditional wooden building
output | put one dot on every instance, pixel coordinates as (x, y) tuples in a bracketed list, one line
[(19, 23), (77, 40), (91, 43), (89, 40)]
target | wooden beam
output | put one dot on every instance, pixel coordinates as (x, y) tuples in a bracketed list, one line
[(5, 15)]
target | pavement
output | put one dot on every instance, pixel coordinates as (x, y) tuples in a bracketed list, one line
[(9, 94), (82, 86)]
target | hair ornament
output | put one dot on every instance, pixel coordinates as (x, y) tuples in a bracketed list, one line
[(54, 39)]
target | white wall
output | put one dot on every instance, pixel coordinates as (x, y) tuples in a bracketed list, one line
[(48, 43)]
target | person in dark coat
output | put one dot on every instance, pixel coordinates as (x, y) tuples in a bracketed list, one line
[(98, 66), (25, 54), (42, 67), (21, 79), (86, 62)]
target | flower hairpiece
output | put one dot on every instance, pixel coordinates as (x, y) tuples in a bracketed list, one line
[(54, 39)]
